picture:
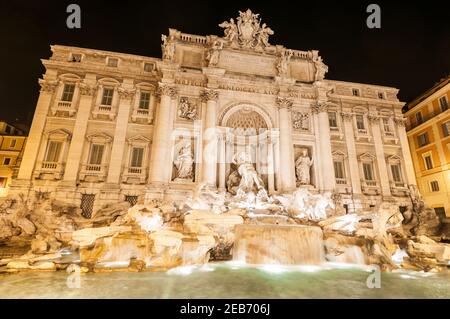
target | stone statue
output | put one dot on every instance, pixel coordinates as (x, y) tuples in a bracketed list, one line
[(187, 110), (168, 49), (184, 162), (263, 35), (233, 182), (231, 30), (249, 176), (321, 68), (322, 203), (247, 32), (214, 53), (283, 63), (302, 168)]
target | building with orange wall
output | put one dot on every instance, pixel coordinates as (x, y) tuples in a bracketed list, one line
[(12, 144), (428, 130)]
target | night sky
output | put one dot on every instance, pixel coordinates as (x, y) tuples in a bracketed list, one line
[(411, 51)]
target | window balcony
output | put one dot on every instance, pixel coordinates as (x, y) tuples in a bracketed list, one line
[(142, 115), (64, 108), (93, 172), (389, 138), (49, 170), (336, 134), (399, 189), (104, 112), (134, 175), (370, 187), (362, 134)]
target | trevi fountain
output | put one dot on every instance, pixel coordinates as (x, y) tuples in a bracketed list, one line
[(257, 221)]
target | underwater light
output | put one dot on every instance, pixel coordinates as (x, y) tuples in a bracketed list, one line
[(274, 269), (181, 271)]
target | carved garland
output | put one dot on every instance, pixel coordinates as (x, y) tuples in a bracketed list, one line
[(400, 121), (346, 116), (126, 93), (86, 89), (48, 86), (373, 118)]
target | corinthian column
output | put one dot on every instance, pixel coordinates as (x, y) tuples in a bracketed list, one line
[(351, 152), (409, 168), (287, 169), (327, 170), (87, 92), (209, 151), (120, 133), (34, 139), (379, 151), (161, 136)]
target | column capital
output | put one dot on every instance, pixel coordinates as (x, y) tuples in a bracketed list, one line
[(284, 102), (373, 118), (320, 107), (400, 121), (347, 116), (48, 86), (209, 95), (126, 94), (86, 89), (167, 90)]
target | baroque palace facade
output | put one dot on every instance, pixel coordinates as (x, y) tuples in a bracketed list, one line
[(111, 127)]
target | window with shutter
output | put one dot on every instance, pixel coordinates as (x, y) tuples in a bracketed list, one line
[(137, 157), (96, 155), (53, 151)]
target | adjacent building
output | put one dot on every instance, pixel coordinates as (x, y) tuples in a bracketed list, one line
[(428, 129), (113, 127), (12, 143)]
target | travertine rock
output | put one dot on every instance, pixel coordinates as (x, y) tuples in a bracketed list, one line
[(87, 237)]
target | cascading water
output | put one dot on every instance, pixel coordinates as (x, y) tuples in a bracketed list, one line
[(278, 244)]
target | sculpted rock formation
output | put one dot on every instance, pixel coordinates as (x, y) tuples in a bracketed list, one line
[(214, 225)]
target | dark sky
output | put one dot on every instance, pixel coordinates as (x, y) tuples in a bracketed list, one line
[(411, 51)]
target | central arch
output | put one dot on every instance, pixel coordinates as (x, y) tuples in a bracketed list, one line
[(247, 128), (245, 115)]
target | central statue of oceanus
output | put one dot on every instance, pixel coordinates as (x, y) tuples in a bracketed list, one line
[(249, 177)]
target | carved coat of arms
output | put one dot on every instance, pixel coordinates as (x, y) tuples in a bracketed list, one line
[(247, 32)]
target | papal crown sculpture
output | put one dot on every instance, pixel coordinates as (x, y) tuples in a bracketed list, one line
[(112, 127)]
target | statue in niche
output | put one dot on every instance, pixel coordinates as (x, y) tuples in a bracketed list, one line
[(302, 167), (187, 110), (249, 176), (184, 163), (168, 49), (231, 30), (321, 68), (214, 53)]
